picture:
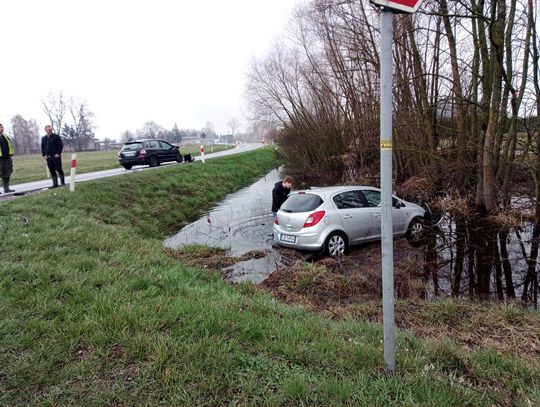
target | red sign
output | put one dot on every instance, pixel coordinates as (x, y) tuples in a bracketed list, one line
[(403, 6)]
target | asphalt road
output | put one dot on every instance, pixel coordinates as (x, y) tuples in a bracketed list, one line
[(21, 189)]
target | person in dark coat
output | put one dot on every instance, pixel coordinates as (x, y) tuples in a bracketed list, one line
[(6, 163), (51, 150), (280, 193)]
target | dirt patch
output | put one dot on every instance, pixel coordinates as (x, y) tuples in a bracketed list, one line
[(352, 287), (209, 257)]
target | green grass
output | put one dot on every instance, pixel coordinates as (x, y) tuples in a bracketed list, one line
[(94, 312), (27, 168)]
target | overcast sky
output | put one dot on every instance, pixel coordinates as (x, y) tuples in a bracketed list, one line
[(171, 61)]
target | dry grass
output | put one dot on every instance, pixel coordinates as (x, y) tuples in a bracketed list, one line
[(341, 288)]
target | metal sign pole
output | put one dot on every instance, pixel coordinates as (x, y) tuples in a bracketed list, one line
[(386, 191)]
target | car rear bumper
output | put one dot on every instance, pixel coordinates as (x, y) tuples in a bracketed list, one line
[(311, 241), (132, 161)]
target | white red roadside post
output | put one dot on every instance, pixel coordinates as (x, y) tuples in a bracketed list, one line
[(202, 154), (387, 239), (73, 171)]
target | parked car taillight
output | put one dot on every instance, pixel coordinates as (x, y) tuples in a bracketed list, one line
[(142, 153), (314, 218), (275, 220)]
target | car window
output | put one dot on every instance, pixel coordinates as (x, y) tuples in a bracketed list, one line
[(164, 144), (151, 144), (296, 203), (132, 146), (349, 200), (372, 197)]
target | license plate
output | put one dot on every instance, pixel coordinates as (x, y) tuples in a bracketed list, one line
[(288, 238), (130, 154)]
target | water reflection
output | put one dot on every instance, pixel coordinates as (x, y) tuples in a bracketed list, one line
[(475, 259), (241, 223)]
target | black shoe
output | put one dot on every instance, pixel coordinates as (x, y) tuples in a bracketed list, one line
[(7, 190), (54, 186)]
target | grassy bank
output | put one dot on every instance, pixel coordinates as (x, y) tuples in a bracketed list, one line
[(95, 311), (27, 168)]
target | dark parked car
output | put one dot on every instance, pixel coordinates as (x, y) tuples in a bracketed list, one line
[(150, 152)]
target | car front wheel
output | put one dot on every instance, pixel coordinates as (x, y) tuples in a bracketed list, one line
[(336, 244), (179, 158), (415, 231)]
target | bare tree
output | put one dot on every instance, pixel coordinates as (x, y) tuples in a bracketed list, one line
[(55, 107), (150, 129), (80, 130), (26, 135), (127, 136), (234, 125)]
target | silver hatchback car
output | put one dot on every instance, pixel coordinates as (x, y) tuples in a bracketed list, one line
[(333, 218)]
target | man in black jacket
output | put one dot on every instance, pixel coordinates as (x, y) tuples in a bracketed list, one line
[(51, 150), (6, 163), (280, 193)]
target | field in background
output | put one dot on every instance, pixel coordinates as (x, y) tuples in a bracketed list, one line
[(27, 168)]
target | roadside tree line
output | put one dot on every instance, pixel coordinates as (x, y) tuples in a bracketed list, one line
[(466, 95)]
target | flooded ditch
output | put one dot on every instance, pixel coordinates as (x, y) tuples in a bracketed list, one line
[(460, 258)]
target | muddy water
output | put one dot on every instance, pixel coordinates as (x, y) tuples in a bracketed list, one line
[(460, 258), (241, 223)]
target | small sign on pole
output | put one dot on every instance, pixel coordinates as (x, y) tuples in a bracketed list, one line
[(73, 172), (202, 154), (400, 6)]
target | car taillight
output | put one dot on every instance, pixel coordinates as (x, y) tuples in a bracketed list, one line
[(314, 218), (142, 153), (275, 220)]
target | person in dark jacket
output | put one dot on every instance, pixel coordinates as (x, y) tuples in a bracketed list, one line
[(280, 193), (51, 150), (6, 163)]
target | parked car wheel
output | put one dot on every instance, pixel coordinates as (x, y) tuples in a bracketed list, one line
[(153, 161), (179, 158), (336, 244), (127, 166), (415, 231)]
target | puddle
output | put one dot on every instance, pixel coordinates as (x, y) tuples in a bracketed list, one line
[(242, 223)]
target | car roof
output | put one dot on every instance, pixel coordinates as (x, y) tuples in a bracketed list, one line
[(335, 189), (145, 139)]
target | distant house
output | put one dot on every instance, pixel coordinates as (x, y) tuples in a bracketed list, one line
[(226, 139), (84, 145)]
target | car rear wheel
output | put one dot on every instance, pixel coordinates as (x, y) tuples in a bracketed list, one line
[(179, 158), (153, 161), (336, 244), (415, 231), (127, 166)]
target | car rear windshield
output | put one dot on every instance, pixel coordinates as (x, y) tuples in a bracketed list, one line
[(301, 203), (132, 146)]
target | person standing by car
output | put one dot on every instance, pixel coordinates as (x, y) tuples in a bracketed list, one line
[(51, 150), (281, 192), (6, 163)]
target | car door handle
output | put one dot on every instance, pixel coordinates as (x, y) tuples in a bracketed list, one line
[(347, 216)]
